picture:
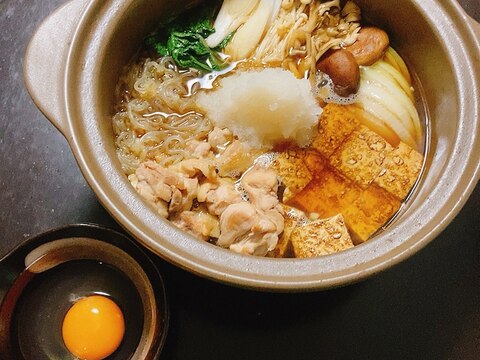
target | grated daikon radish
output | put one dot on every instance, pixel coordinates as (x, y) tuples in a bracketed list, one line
[(263, 108)]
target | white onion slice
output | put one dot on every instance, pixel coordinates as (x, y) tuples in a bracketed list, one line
[(376, 124), (375, 74), (251, 32), (376, 92), (380, 111), (397, 76), (400, 64), (231, 16)]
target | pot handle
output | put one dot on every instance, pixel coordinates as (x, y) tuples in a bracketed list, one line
[(45, 59)]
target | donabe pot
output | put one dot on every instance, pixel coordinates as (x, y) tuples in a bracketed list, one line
[(73, 64)]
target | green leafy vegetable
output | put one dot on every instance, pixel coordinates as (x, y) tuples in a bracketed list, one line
[(185, 43)]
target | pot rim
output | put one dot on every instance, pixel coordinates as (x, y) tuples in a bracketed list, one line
[(164, 239)]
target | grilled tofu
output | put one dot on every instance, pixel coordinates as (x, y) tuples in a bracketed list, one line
[(321, 237), (372, 209), (315, 162), (349, 170), (401, 169), (293, 171), (361, 156), (336, 123), (328, 194)]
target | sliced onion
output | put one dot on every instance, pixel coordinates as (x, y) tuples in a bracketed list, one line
[(377, 72), (389, 59), (397, 76), (379, 111), (376, 124), (380, 87), (251, 32), (231, 16), (374, 74), (402, 67)]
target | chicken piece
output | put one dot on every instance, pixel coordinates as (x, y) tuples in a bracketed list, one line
[(219, 138), (204, 189), (253, 226), (255, 244), (188, 195), (194, 167), (236, 222), (202, 225), (198, 149), (372, 209), (153, 197), (159, 186), (175, 201), (401, 169), (235, 159), (220, 196), (293, 171), (321, 237), (247, 230), (361, 156), (261, 186), (276, 216), (336, 124)]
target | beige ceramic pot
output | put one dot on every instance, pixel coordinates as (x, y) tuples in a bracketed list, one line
[(73, 63)]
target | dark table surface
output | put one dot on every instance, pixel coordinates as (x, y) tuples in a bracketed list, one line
[(428, 307)]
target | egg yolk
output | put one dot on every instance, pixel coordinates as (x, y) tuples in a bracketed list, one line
[(93, 328)]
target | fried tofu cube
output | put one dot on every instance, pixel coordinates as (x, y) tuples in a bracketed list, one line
[(401, 169), (328, 194), (293, 172), (361, 156), (321, 237), (293, 218), (336, 123), (372, 209), (315, 162)]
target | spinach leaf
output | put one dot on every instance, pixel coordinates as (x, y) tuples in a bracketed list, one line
[(185, 43)]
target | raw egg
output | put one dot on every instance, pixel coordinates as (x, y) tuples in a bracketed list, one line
[(93, 328)]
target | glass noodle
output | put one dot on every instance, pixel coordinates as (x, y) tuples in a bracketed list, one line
[(156, 118)]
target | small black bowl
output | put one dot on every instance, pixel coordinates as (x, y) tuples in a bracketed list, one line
[(44, 276)]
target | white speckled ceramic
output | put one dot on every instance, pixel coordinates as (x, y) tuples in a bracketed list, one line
[(73, 63)]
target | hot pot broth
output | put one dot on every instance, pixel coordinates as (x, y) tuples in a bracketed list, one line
[(271, 128)]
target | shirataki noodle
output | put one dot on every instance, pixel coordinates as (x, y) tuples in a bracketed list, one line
[(156, 117)]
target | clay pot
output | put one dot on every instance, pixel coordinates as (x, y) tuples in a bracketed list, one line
[(74, 61)]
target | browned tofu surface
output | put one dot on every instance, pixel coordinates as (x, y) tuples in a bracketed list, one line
[(293, 171), (336, 123), (401, 169), (321, 237), (372, 209), (350, 170), (361, 156), (328, 194), (315, 162)]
